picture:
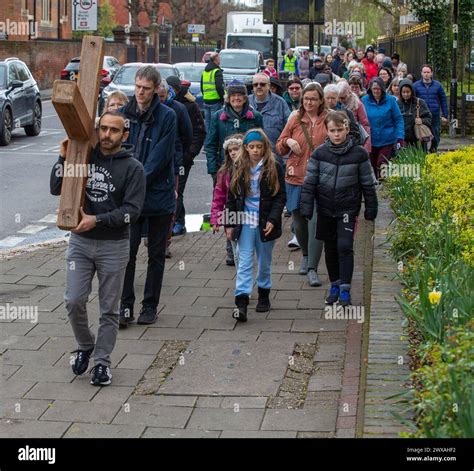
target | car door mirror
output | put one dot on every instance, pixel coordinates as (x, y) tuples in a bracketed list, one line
[(16, 84)]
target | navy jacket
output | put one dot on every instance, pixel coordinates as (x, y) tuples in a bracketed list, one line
[(434, 95), (153, 134), (184, 136)]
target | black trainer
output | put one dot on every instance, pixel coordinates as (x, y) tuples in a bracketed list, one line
[(229, 260), (126, 316), (147, 315), (101, 375), (81, 361)]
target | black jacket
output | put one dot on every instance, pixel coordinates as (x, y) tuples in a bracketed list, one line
[(184, 134), (271, 207), (408, 110), (153, 134), (197, 121), (338, 183), (219, 77), (114, 189)]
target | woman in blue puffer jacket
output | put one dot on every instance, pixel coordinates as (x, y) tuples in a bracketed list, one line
[(387, 130)]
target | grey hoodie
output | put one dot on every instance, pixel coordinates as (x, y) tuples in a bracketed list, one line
[(115, 192)]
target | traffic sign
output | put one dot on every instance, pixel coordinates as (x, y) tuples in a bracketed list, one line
[(469, 97), (196, 29), (195, 38)]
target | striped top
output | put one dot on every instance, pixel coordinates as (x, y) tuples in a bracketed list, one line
[(252, 200)]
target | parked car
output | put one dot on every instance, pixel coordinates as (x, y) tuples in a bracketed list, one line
[(192, 71), (124, 79), (241, 64), (110, 66), (20, 101)]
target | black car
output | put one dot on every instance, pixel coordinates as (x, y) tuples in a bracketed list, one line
[(110, 66), (20, 101)]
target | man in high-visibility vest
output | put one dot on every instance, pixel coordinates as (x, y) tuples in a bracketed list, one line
[(290, 63), (212, 88)]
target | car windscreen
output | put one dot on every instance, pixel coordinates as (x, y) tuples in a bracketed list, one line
[(238, 60), (73, 64), (257, 43), (126, 75), (192, 74)]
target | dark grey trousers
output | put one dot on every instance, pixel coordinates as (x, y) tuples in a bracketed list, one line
[(84, 258)]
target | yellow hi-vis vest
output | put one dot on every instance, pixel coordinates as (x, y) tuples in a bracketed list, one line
[(209, 89), (290, 64)]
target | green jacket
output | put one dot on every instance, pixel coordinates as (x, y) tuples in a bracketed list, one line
[(224, 123)]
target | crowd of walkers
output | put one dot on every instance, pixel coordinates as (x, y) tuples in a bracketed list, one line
[(311, 149)]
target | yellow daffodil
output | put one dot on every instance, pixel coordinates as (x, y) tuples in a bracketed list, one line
[(435, 297)]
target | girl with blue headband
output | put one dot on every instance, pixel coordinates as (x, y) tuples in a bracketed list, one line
[(253, 218)]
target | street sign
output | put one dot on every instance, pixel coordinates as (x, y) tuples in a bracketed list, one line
[(84, 15), (469, 97), (196, 29), (195, 38)]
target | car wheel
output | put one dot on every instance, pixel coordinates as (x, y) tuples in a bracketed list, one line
[(6, 130), (35, 128)]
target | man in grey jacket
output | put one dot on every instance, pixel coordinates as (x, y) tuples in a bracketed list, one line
[(274, 110), (114, 196)]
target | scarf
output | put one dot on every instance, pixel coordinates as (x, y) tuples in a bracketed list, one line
[(343, 148)]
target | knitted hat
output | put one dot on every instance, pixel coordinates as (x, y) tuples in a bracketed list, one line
[(370, 49), (175, 82), (236, 87), (317, 59)]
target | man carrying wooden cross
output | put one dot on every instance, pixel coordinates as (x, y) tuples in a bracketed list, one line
[(114, 196), (153, 132)]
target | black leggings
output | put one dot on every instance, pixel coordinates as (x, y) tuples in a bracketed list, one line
[(338, 235)]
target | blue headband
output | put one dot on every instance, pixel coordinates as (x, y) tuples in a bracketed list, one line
[(253, 136)]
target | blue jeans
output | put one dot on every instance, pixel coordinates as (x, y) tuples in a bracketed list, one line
[(436, 128), (209, 110), (248, 243)]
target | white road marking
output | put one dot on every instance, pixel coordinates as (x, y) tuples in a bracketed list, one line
[(32, 229), (11, 241), (50, 218), (21, 147)]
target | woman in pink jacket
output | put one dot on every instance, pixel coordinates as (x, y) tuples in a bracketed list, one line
[(352, 102), (232, 147)]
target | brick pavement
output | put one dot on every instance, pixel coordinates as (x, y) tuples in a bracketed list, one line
[(196, 372)]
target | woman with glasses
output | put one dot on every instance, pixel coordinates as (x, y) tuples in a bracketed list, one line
[(304, 132), (292, 96)]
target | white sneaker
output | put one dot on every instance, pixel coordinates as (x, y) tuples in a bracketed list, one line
[(293, 243)]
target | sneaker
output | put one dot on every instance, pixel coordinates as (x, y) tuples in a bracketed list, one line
[(168, 253), (147, 315), (81, 361), (293, 243), (101, 375), (345, 298), (125, 316), (304, 265), (179, 229), (313, 278), (229, 260), (333, 294)]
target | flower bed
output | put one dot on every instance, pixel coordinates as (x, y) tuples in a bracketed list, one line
[(432, 241)]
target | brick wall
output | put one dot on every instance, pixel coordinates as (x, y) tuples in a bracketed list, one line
[(46, 59)]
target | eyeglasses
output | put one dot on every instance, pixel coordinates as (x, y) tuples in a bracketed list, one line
[(260, 85), (310, 99), (294, 88)]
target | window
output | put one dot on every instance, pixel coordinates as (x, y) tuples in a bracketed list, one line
[(22, 72), (12, 73), (46, 16)]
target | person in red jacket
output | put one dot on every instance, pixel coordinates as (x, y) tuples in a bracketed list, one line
[(371, 68)]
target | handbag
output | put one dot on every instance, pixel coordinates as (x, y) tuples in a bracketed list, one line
[(364, 135), (422, 131)]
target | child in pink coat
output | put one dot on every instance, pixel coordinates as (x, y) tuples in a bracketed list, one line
[(232, 146)]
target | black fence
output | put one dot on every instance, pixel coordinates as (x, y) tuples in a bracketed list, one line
[(189, 52), (387, 43), (414, 52)]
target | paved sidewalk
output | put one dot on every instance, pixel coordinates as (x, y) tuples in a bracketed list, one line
[(196, 372)]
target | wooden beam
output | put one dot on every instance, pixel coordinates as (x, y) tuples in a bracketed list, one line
[(68, 103), (78, 153)]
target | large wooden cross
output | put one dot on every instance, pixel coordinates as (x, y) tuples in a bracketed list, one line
[(76, 105)]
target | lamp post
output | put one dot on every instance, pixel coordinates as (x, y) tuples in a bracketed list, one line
[(454, 81)]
